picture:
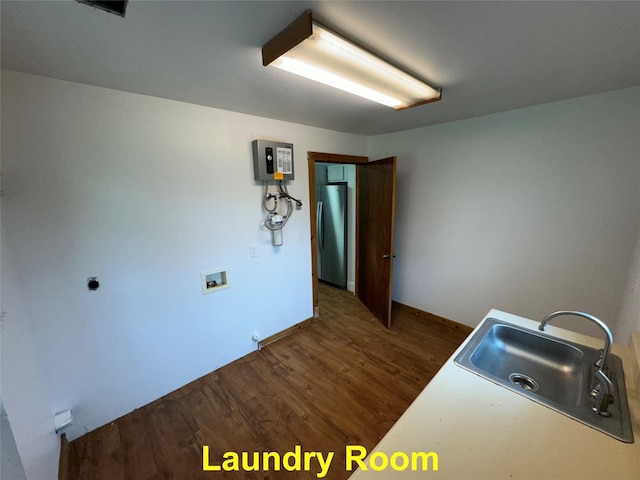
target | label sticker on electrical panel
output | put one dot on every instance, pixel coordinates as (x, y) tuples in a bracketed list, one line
[(284, 160)]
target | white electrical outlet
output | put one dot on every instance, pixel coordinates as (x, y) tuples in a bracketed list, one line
[(253, 251)]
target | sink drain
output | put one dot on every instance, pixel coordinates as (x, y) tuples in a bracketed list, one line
[(523, 381)]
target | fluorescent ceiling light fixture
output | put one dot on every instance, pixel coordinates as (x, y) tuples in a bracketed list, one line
[(310, 50)]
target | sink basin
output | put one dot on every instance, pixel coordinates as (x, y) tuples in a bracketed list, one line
[(553, 372)]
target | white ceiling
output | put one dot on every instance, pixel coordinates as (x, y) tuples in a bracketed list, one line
[(487, 56)]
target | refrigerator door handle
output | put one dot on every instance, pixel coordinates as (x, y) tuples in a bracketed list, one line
[(322, 222), (320, 225)]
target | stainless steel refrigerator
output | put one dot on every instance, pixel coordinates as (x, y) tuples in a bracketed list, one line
[(331, 228)]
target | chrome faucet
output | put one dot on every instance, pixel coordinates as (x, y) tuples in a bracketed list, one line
[(602, 387)]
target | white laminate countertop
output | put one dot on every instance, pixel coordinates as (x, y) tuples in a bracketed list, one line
[(480, 430)]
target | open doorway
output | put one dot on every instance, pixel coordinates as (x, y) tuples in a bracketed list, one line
[(374, 227), (318, 163)]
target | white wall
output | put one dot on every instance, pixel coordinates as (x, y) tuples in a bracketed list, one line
[(629, 319), (10, 464), (527, 211), (24, 391), (145, 194)]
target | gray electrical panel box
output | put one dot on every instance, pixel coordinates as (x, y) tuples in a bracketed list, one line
[(272, 161)]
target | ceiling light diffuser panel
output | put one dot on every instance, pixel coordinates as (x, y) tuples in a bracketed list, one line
[(310, 50)]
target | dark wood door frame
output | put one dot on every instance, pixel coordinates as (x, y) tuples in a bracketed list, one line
[(312, 158)]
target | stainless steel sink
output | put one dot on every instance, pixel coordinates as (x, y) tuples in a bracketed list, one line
[(555, 373)]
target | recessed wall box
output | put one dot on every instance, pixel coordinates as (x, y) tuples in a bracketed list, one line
[(272, 161), (214, 280)]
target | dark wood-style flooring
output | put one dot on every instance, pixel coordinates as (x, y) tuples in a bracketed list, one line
[(344, 380)]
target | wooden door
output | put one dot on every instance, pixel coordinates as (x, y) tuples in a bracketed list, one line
[(376, 200)]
